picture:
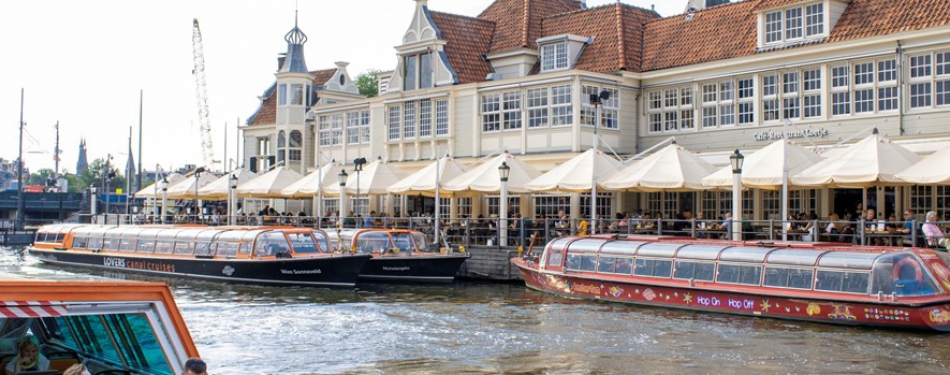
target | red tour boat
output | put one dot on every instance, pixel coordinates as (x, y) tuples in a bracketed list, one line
[(905, 288)]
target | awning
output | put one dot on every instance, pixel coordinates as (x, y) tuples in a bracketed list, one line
[(577, 174), (872, 161), (932, 170), (672, 168), (485, 178), (423, 181), (763, 169), (155, 191), (307, 187), (186, 189), (269, 185), (375, 179), (218, 189)]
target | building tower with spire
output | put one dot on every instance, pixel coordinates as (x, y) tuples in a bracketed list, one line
[(82, 165), (294, 88)]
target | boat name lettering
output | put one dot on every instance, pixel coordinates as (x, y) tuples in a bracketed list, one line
[(792, 134), (138, 265), (301, 272), (397, 269), (586, 288), (742, 304), (113, 262), (708, 301), (940, 316)]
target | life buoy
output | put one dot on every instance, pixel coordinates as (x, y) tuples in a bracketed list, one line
[(918, 273)]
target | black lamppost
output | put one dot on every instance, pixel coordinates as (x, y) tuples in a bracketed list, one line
[(164, 199), (503, 171), (596, 101), (736, 160), (342, 176), (198, 173), (232, 197), (358, 167)]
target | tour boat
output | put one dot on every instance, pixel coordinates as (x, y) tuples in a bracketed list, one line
[(905, 288), (265, 255), (114, 327), (398, 255)]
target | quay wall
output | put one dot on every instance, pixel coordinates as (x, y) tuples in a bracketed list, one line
[(490, 263)]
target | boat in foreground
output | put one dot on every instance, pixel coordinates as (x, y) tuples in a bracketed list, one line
[(904, 288), (114, 327), (264, 255), (399, 255)]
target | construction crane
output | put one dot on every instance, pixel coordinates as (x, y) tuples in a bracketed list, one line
[(202, 90)]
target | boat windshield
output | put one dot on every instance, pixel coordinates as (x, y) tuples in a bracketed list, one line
[(322, 240), (371, 242), (271, 243), (303, 243), (420, 240), (902, 274)]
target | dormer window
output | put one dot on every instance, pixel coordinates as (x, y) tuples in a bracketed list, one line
[(418, 71), (794, 24), (554, 57)]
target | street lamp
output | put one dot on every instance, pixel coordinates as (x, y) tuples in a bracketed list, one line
[(342, 176), (358, 167), (164, 198), (232, 196), (94, 207), (198, 173), (596, 101), (503, 171), (736, 160)]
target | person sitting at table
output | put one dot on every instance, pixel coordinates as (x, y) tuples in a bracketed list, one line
[(934, 236), (810, 226), (908, 230), (727, 225)]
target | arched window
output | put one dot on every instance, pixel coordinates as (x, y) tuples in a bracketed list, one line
[(296, 139), (281, 139), (342, 80)]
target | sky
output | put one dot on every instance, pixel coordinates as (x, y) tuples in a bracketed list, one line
[(85, 63)]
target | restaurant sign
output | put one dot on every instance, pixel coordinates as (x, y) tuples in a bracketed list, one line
[(803, 133)]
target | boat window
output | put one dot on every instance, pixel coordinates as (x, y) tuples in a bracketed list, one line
[(271, 243), (127, 244), (227, 249), (621, 248), (80, 242), (660, 250), (403, 242), (745, 254), (245, 248), (795, 257), (739, 274), (110, 243), (204, 249), (164, 247), (322, 240), (302, 243), (789, 277), (555, 258), (140, 345), (421, 241), (621, 266), (847, 259), (901, 273), (184, 248), (842, 281), (704, 252), (585, 245), (653, 267), (60, 237), (577, 262), (95, 243), (704, 271), (146, 246), (371, 242)]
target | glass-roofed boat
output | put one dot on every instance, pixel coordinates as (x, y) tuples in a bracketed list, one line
[(266, 255), (822, 282), (399, 255)]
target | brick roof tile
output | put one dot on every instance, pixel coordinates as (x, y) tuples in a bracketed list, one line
[(467, 40), (518, 22), (617, 30)]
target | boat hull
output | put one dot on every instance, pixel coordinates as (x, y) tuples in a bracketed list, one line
[(338, 270), (415, 269), (934, 316)]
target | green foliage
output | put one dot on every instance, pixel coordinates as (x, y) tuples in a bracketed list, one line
[(368, 84), (39, 178), (93, 177)]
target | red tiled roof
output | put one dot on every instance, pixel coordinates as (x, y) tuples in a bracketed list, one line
[(867, 18), (467, 39), (518, 22), (617, 30), (729, 31), (717, 33), (267, 112)]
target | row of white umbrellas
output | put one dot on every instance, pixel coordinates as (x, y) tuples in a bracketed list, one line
[(872, 161)]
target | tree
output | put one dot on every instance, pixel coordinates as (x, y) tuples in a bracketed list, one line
[(40, 177), (368, 84)]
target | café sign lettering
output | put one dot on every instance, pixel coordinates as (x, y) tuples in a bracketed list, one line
[(803, 133)]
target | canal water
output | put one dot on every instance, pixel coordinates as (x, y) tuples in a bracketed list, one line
[(500, 328)]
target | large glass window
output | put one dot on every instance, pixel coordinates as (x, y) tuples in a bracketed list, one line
[(441, 117), (511, 108), (929, 80), (554, 56), (814, 19), (653, 267), (491, 112), (409, 119), (425, 118), (773, 27), (739, 274), (395, 120), (672, 109), (418, 72), (561, 105)]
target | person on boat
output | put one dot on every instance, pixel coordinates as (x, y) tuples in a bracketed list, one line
[(77, 369), (28, 357), (195, 366), (935, 237)]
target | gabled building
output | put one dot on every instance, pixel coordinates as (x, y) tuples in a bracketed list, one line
[(721, 76)]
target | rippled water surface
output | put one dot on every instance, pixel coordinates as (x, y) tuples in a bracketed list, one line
[(489, 328)]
